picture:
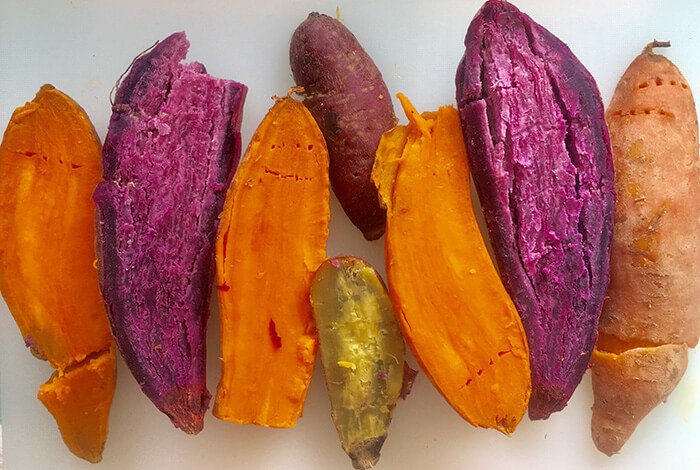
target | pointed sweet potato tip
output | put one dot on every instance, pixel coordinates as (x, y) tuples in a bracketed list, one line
[(186, 408)]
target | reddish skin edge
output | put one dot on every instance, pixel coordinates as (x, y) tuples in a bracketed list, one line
[(159, 327), (557, 272), (345, 93)]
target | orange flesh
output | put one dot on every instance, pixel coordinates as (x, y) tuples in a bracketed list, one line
[(453, 309), (50, 163), (272, 239), (80, 401)]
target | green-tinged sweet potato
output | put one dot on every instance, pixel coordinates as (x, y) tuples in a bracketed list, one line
[(652, 313), (362, 352), (348, 98)]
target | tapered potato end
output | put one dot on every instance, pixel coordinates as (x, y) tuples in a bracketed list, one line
[(79, 400), (365, 454), (627, 386)]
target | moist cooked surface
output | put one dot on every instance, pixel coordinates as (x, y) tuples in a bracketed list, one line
[(540, 151), (172, 145)]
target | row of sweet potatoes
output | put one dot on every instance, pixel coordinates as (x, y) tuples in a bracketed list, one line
[(531, 126)]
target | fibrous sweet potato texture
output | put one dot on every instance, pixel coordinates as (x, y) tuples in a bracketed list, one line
[(347, 96), (362, 352), (652, 313), (450, 303), (272, 239), (171, 148), (49, 167), (540, 156)]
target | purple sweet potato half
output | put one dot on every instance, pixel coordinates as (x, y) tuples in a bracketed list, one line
[(540, 155), (347, 96), (171, 149)]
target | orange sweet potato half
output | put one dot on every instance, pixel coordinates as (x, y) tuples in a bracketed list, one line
[(271, 240), (454, 312), (49, 166)]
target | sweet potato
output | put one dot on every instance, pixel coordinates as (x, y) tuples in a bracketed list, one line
[(362, 352), (452, 308), (170, 152), (652, 313), (348, 98), (49, 167), (272, 239), (540, 156)]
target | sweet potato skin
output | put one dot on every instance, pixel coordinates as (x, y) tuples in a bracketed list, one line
[(540, 157), (348, 98), (650, 317)]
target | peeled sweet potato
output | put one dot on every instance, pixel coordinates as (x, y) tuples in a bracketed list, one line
[(170, 152), (272, 239), (540, 156), (652, 313), (347, 96), (450, 303), (49, 167), (362, 353)]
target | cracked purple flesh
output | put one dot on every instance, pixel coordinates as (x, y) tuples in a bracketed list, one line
[(170, 152), (540, 156)]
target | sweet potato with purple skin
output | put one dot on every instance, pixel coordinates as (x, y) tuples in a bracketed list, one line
[(651, 315), (540, 154), (169, 155), (350, 102)]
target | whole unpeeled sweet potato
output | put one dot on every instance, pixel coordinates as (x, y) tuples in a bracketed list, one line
[(348, 98), (540, 152), (652, 313)]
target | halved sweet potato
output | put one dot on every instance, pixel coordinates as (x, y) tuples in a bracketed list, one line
[(49, 167), (454, 312), (272, 239)]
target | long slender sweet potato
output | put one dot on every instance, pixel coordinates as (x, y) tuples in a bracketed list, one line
[(348, 98), (453, 310), (652, 313), (171, 149), (272, 239), (49, 167), (362, 352), (540, 154)]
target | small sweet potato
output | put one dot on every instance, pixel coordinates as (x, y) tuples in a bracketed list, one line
[(651, 315), (362, 353), (348, 98), (536, 137)]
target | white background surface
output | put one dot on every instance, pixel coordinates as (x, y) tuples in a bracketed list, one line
[(82, 46)]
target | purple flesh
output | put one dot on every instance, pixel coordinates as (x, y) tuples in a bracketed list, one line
[(171, 149), (540, 155)]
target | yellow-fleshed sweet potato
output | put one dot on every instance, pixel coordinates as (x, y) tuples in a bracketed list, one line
[(652, 313), (450, 303)]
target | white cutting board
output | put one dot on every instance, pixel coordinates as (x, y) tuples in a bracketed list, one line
[(82, 46)]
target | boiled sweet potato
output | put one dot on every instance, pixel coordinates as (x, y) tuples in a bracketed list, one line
[(49, 167), (362, 353), (540, 156), (272, 239), (170, 152), (348, 98), (652, 313), (452, 308)]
